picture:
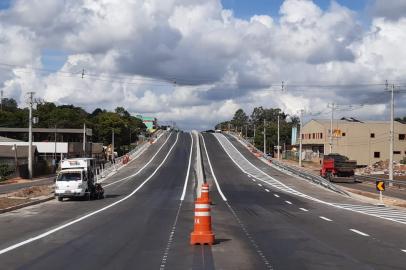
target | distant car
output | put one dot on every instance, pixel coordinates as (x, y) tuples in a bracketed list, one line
[(218, 131)]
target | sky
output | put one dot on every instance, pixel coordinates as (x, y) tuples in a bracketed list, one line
[(196, 62)]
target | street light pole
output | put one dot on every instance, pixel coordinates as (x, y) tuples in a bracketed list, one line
[(391, 134), (278, 137), (300, 138), (112, 145), (264, 137), (31, 102)]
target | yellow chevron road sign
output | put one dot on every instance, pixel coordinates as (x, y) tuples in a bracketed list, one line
[(380, 185)]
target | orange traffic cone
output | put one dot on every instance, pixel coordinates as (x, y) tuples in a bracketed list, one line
[(204, 195), (202, 233)]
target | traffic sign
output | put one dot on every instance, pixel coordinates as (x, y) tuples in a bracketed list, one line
[(380, 185)]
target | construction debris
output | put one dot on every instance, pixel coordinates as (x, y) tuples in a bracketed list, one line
[(382, 168)]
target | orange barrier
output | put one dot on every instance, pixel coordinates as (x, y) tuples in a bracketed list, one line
[(125, 159), (202, 233), (204, 195)]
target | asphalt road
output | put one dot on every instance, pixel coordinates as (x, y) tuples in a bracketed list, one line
[(6, 188), (132, 234), (318, 237), (144, 224)]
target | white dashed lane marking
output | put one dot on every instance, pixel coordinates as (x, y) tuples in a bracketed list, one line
[(404, 250), (267, 190), (259, 185), (324, 218), (304, 210), (276, 195), (288, 202), (359, 232), (247, 167)]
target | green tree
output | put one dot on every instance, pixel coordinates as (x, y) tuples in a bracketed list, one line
[(240, 118)]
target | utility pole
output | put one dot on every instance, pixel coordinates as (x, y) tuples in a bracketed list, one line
[(333, 107), (264, 137), (300, 137), (84, 140), (278, 138), (1, 100), (112, 145), (31, 103), (253, 141), (391, 134), (246, 127)]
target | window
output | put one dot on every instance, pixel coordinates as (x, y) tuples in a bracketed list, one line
[(377, 154), (343, 134), (372, 135), (314, 136), (302, 136), (321, 135), (402, 137), (396, 152)]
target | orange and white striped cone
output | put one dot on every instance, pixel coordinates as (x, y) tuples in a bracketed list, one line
[(205, 195), (202, 233)]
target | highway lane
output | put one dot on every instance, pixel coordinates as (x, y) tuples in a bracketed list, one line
[(92, 228), (294, 232), (30, 221)]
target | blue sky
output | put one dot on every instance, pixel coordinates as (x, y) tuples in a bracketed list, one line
[(245, 9)]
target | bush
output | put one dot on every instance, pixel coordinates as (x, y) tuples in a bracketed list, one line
[(4, 171)]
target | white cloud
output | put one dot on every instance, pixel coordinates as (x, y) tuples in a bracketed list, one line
[(132, 52)]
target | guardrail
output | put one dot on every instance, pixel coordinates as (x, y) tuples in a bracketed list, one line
[(296, 171), (387, 181)]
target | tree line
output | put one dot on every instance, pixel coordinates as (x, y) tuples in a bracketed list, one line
[(127, 128), (254, 124)]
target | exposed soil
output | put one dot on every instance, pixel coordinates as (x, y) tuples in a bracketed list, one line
[(24, 195)]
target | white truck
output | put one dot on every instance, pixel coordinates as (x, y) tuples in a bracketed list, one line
[(76, 180)]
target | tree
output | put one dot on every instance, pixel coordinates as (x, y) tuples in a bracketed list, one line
[(9, 104), (240, 118)]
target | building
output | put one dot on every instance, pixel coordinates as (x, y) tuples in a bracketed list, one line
[(364, 141), (150, 122)]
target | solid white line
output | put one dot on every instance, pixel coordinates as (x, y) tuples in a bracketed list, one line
[(278, 184), (326, 219), (288, 202), (212, 172), (359, 232), (276, 195), (267, 190), (304, 210), (188, 169), (32, 239), (259, 185), (143, 167)]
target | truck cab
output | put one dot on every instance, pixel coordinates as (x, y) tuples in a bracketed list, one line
[(75, 179)]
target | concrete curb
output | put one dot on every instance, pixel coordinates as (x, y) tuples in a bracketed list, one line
[(19, 206)]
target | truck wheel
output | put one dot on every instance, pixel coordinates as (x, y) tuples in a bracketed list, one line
[(60, 198)]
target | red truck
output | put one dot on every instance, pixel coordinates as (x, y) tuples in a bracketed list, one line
[(338, 168)]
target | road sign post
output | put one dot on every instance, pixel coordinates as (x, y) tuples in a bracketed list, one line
[(380, 186)]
